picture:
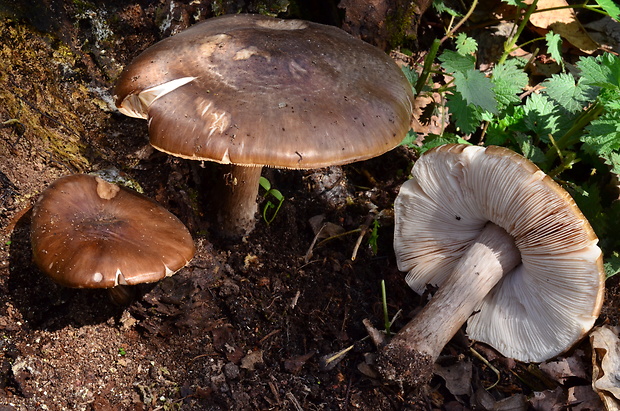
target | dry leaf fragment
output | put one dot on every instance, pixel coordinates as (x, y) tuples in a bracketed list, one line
[(564, 22), (457, 377), (561, 368), (253, 358), (606, 365)]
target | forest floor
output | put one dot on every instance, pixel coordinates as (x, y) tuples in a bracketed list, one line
[(245, 325)]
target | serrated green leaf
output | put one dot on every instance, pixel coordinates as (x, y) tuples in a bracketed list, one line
[(476, 89), (411, 74), (409, 140), (612, 266), (441, 7), (453, 62), (610, 98), (600, 71), (465, 45), (529, 149), (500, 131), (603, 134), (465, 116), (543, 116), (509, 80), (566, 93), (613, 161), (434, 140), (554, 43), (610, 8)]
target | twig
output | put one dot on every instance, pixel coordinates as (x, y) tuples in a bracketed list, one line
[(484, 360), (271, 334), (292, 399), (308, 255), (363, 230), (461, 22)]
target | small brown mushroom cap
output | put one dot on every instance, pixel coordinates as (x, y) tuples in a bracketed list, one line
[(88, 233), (258, 91)]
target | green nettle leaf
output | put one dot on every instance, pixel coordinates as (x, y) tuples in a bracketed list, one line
[(410, 138), (454, 62), (601, 71), (613, 160), (603, 134), (441, 7), (434, 140), (610, 8), (411, 74), (500, 130), (465, 116), (610, 98), (542, 116), (612, 266), (554, 43), (563, 90), (465, 45), (509, 80), (529, 149), (476, 89)]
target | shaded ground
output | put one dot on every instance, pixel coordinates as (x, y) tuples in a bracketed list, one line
[(245, 325)]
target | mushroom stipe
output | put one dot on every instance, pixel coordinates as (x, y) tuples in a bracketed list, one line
[(502, 240)]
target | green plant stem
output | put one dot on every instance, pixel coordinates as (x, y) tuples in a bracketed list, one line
[(572, 135), (461, 22), (432, 52), (531, 41), (510, 44), (386, 318), (428, 65)]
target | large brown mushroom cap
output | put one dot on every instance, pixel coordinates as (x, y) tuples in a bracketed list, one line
[(255, 90), (88, 233)]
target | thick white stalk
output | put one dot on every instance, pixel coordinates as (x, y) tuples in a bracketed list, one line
[(409, 357)]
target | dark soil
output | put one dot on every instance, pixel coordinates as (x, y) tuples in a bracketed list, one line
[(250, 324)]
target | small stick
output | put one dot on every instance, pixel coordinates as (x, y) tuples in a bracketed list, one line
[(308, 255), (363, 230), (484, 360)]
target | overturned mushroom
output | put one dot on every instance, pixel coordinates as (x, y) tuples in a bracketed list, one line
[(508, 249), (252, 91), (89, 233)]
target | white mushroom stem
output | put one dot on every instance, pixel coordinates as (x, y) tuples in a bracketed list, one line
[(237, 212), (411, 353)]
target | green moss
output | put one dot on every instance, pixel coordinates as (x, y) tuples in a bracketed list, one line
[(400, 25), (33, 93)]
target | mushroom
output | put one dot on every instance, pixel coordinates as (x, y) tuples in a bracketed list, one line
[(89, 233), (508, 248), (250, 91)]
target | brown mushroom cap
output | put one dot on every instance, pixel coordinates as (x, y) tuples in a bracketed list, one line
[(255, 90), (88, 233)]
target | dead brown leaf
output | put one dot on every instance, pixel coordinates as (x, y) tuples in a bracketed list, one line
[(606, 365), (563, 22)]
